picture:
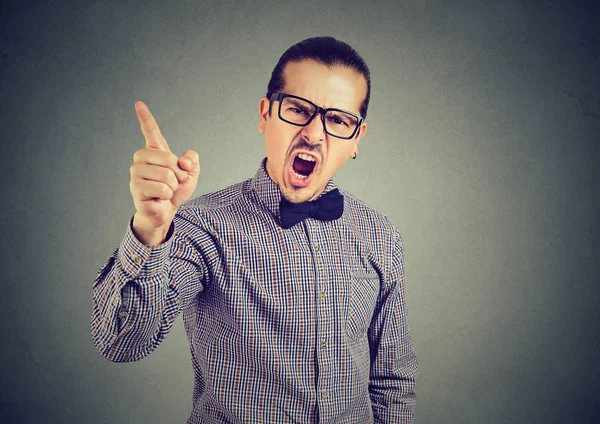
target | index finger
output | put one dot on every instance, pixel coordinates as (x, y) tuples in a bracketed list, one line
[(152, 134)]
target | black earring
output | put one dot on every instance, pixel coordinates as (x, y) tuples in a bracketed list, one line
[(355, 154)]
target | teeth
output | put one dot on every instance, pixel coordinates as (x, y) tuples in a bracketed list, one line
[(300, 175), (304, 156)]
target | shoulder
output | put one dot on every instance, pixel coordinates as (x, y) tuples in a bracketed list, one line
[(365, 224), (221, 202), (363, 215), (374, 233)]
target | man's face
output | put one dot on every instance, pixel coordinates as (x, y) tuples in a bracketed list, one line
[(335, 87)]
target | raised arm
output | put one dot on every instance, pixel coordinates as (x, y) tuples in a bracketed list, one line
[(154, 273)]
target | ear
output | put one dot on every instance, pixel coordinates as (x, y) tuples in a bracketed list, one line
[(263, 114), (361, 132)]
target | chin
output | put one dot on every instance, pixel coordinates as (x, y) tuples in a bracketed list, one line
[(298, 195)]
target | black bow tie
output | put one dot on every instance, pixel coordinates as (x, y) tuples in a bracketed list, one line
[(328, 207)]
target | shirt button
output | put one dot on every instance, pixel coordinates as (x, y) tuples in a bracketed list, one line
[(323, 342), (137, 260), (324, 394), (317, 248), (123, 313), (322, 295)]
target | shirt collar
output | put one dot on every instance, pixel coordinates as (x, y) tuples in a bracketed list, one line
[(268, 192)]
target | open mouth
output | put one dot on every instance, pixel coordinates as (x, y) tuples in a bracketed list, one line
[(303, 165)]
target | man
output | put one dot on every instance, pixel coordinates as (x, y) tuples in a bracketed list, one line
[(292, 292)]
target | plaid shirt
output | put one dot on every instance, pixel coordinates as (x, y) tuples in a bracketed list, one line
[(299, 325)]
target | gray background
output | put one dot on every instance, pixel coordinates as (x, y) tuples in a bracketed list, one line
[(482, 147)]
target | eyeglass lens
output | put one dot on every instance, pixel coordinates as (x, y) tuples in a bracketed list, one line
[(297, 111)]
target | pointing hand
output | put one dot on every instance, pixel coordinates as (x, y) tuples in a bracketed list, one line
[(160, 181)]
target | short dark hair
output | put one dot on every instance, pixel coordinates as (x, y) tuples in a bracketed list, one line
[(327, 51)]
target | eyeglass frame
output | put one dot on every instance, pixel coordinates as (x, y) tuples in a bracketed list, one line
[(318, 110)]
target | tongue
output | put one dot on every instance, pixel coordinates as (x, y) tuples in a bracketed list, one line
[(303, 167)]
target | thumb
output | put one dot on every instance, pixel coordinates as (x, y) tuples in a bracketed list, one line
[(190, 162)]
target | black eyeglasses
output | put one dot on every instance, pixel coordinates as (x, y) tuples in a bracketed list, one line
[(298, 111)]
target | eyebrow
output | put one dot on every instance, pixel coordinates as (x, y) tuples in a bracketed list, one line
[(299, 102)]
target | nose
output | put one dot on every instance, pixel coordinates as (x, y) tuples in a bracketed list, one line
[(314, 132)]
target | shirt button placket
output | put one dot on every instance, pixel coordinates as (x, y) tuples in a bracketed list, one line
[(323, 384), (323, 345)]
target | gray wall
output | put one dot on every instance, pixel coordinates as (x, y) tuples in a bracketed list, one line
[(482, 147)]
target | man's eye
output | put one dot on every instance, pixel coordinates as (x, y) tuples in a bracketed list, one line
[(337, 121), (297, 110)]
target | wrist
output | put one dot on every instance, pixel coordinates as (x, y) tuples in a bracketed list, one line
[(146, 233)]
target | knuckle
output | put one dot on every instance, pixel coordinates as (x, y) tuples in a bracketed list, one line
[(136, 156), (173, 182), (166, 191), (166, 174), (134, 188)]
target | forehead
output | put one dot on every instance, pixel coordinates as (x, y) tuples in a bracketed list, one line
[(336, 86)]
